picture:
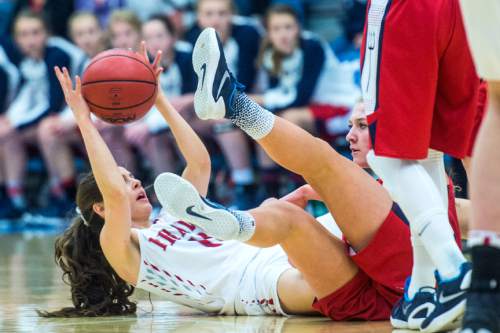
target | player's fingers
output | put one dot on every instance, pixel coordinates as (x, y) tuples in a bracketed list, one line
[(157, 58), (62, 80), (78, 83), (158, 72), (67, 80), (143, 50)]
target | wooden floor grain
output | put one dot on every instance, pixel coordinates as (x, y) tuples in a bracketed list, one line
[(30, 280)]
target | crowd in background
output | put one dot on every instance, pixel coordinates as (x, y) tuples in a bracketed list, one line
[(299, 59)]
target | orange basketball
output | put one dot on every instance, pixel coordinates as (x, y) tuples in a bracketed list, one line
[(119, 86)]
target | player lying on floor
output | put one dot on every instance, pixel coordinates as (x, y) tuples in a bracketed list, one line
[(102, 261), (371, 281)]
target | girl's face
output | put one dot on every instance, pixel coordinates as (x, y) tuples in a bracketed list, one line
[(216, 14), (359, 136), (124, 36), (31, 37), (157, 37), (87, 35), (283, 32), (140, 207)]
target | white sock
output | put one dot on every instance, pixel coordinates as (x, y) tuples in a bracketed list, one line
[(254, 120), (483, 237), (422, 203), (247, 225), (434, 165), (422, 274)]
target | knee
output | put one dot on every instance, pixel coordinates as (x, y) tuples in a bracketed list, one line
[(293, 215), (46, 131)]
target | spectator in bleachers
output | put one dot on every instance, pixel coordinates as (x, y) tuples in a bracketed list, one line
[(102, 9), (301, 79), (39, 95), (150, 135), (147, 8), (9, 80), (241, 39), (56, 12), (58, 134), (347, 47)]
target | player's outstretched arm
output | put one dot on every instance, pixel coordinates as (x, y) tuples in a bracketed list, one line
[(108, 177), (198, 164)]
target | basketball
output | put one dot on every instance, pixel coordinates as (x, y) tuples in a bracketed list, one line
[(119, 86)]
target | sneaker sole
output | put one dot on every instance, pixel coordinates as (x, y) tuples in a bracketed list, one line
[(181, 200), (206, 54), (447, 321), (412, 324)]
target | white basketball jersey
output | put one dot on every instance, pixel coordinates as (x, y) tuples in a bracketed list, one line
[(184, 265)]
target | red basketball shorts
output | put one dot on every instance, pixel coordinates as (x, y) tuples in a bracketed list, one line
[(383, 265), (482, 104), (418, 79)]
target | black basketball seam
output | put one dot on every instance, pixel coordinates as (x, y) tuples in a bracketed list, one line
[(121, 55), (128, 107), (104, 81)]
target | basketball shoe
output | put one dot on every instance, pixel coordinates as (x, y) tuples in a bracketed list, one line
[(482, 314), (216, 84), (181, 199), (410, 313), (449, 301)]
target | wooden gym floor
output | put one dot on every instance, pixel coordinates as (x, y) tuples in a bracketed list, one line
[(29, 280)]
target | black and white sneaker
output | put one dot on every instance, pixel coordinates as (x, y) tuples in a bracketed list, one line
[(410, 313), (180, 199), (450, 301), (216, 84), (482, 314)]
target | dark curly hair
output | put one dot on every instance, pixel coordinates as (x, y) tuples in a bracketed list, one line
[(96, 289)]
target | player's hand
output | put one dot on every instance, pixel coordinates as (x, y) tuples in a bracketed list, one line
[(73, 97), (143, 52), (302, 195)]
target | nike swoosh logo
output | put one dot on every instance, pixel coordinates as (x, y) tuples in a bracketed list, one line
[(445, 299), (222, 81), (423, 229), (204, 69), (191, 212)]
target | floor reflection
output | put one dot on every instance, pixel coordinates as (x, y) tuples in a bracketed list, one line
[(30, 280)]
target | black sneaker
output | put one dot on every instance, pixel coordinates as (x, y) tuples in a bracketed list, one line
[(216, 84), (482, 314), (57, 208), (409, 313), (450, 301), (8, 211)]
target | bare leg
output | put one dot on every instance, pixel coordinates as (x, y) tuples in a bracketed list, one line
[(234, 144), (357, 202), (301, 117), (280, 222), (15, 161), (485, 175), (56, 151)]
